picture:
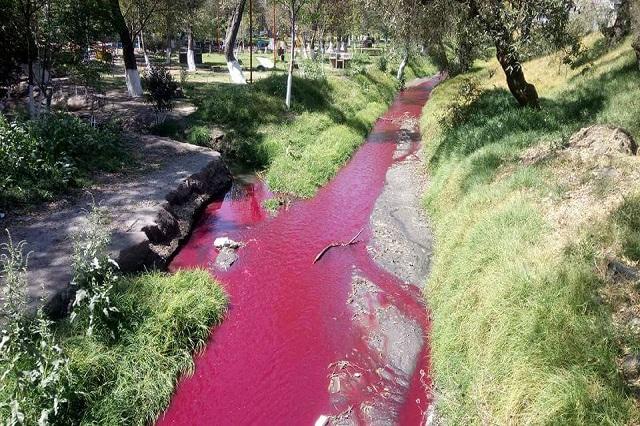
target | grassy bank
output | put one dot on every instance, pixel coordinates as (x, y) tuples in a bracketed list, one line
[(523, 331), (129, 378), (301, 149)]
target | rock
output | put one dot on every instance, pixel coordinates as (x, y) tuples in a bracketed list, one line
[(322, 421), (226, 258), (604, 140), (621, 272), (77, 102), (132, 251), (225, 242), (164, 229), (631, 366)]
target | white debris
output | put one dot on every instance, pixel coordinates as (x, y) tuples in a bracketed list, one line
[(223, 242), (322, 421), (2, 215)]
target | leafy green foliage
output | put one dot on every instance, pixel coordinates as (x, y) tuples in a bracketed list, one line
[(94, 275), (47, 156), (160, 89), (34, 373)]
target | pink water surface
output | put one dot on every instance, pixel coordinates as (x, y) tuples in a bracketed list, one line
[(268, 363)]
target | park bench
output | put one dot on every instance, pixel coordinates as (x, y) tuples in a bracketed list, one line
[(340, 60)]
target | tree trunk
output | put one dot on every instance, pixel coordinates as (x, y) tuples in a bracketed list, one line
[(235, 70), (524, 92), (147, 62), (191, 55), (167, 50), (403, 65), (132, 76), (635, 28), (291, 60)]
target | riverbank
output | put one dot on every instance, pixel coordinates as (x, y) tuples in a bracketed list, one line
[(532, 318), (297, 151)]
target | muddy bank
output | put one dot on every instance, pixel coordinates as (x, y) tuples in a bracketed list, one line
[(151, 211)]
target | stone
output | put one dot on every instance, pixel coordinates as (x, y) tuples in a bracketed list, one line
[(621, 272), (225, 242), (322, 421), (631, 366), (226, 258), (164, 229), (131, 250), (77, 102), (604, 140)]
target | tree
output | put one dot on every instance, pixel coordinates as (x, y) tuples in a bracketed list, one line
[(635, 27), (132, 75), (235, 70), (293, 8), (511, 26)]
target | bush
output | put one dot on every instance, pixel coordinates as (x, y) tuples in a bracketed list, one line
[(312, 69), (382, 63), (47, 156), (457, 111), (161, 90), (33, 367), (199, 135)]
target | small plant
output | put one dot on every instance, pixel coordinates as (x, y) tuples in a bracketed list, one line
[(95, 274), (161, 90), (457, 110), (34, 372), (382, 63), (313, 69), (184, 77), (199, 135)]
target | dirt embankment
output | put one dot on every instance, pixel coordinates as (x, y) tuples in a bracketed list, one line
[(151, 212)]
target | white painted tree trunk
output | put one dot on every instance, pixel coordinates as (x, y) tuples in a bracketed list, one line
[(235, 72), (147, 62), (32, 102), (403, 65), (292, 61), (134, 86), (191, 54)]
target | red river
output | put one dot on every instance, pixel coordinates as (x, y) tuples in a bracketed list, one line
[(268, 363)]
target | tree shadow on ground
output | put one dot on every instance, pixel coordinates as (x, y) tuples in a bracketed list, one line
[(496, 119), (242, 111)]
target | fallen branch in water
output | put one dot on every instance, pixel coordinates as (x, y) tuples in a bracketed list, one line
[(332, 245)]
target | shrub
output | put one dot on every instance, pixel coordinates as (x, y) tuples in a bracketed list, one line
[(457, 110), (94, 275), (47, 156), (34, 373), (312, 69), (382, 63), (199, 135), (161, 90)]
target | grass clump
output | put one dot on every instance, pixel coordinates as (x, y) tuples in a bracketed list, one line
[(164, 320), (117, 358), (300, 149), (41, 158), (519, 333)]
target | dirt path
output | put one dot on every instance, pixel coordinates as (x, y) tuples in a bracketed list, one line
[(131, 199)]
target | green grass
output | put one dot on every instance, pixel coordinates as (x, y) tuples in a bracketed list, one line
[(42, 158), (519, 335), (302, 149), (130, 380)]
